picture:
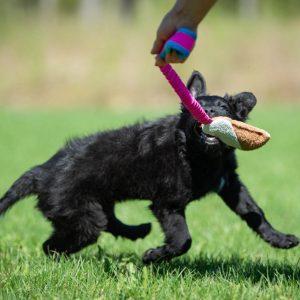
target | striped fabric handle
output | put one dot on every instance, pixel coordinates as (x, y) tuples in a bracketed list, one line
[(182, 41)]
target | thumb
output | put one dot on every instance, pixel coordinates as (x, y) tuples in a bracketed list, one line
[(157, 46)]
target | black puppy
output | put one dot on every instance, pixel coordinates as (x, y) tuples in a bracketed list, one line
[(169, 161)]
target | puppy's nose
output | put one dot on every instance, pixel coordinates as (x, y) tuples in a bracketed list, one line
[(210, 111)]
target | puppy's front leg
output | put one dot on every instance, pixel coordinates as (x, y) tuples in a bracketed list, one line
[(177, 237), (237, 197)]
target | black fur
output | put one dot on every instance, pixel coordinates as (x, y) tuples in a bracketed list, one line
[(169, 161)]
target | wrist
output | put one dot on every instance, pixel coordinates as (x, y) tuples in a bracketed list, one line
[(189, 13), (186, 21), (182, 17)]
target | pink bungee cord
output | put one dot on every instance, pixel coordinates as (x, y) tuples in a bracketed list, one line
[(184, 94)]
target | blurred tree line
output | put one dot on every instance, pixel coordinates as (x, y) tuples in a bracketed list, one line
[(281, 8), (90, 8)]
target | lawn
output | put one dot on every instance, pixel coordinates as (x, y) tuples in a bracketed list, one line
[(226, 261)]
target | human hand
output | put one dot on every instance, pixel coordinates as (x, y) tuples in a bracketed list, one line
[(179, 45), (166, 29), (187, 14)]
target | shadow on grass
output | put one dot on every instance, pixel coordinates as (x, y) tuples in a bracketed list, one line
[(238, 269), (234, 268)]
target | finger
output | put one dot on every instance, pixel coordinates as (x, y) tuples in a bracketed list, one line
[(181, 61), (164, 32), (157, 46), (159, 62), (168, 58), (172, 58)]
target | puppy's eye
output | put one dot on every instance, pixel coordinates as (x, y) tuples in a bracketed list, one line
[(224, 106)]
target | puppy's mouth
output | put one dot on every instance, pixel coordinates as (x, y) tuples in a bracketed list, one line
[(209, 143), (210, 140)]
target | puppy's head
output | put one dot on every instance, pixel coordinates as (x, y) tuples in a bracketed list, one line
[(236, 107)]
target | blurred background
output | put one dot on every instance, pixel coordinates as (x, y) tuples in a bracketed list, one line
[(73, 53)]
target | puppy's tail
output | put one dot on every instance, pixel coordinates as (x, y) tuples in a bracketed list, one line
[(23, 187)]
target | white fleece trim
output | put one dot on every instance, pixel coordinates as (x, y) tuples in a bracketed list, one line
[(223, 130)]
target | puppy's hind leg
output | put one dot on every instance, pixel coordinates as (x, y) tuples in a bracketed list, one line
[(76, 232), (132, 232), (64, 241), (237, 197)]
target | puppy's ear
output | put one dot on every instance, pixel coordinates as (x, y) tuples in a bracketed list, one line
[(242, 104), (196, 84)]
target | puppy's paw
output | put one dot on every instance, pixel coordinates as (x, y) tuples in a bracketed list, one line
[(155, 255), (283, 241), (52, 252)]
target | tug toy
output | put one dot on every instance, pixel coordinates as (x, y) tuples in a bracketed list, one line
[(231, 132)]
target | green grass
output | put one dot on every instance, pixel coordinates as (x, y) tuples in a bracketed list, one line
[(226, 261)]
